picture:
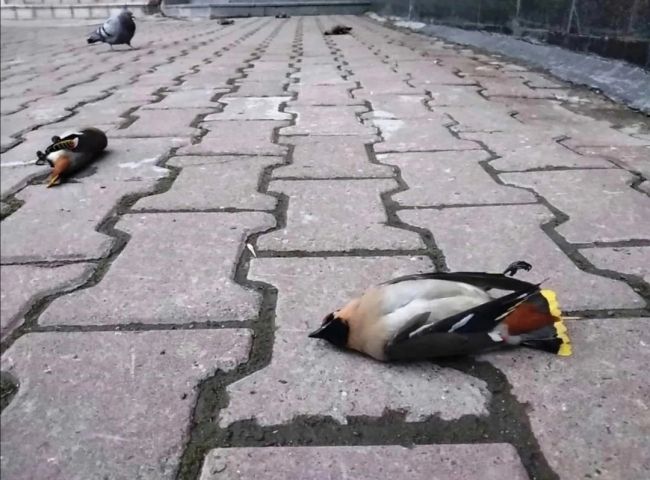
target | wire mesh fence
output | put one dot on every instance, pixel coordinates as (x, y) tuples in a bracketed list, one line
[(614, 28)]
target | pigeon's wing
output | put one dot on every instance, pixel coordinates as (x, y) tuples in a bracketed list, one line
[(111, 28), (478, 279), (127, 27)]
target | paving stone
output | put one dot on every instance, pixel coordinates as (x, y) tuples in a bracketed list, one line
[(633, 158), (324, 94), (341, 120), (450, 178), (319, 75), (161, 123), (310, 377), (22, 285), (132, 160), (384, 84), (196, 98), (588, 136), (237, 137), (200, 248), (232, 183), (547, 155), (135, 93), (251, 108), (602, 207), (417, 134), (589, 412), (470, 462), (629, 260), (330, 157), (324, 215), (396, 106), (488, 119), (247, 88), (504, 143), (13, 179), (429, 74), (490, 238), (106, 404), (59, 223), (503, 86)]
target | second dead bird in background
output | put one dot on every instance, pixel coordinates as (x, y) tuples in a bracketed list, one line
[(339, 30), (119, 29)]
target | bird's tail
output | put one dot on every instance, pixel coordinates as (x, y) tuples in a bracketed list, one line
[(537, 323), (94, 37)]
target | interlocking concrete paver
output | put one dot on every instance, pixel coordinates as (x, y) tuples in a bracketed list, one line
[(200, 248), (602, 207), (464, 181), (325, 94), (342, 121), (418, 134), (633, 158), (21, 285), (306, 377), (324, 215), (233, 184), (630, 260), (396, 106), (445, 462), (510, 232), (105, 404), (590, 413), (196, 98), (546, 155), (161, 123), (330, 157), (48, 230), (251, 108), (238, 137), (247, 88)]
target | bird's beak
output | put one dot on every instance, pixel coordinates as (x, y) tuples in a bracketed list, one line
[(54, 180), (319, 332)]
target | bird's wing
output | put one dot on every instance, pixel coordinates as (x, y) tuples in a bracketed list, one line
[(128, 25), (111, 27), (482, 318), (478, 279)]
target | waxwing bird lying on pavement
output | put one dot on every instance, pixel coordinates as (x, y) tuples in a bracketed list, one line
[(71, 153), (339, 30), (117, 30), (431, 315)]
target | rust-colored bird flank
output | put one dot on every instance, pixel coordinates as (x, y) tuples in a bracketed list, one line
[(527, 318)]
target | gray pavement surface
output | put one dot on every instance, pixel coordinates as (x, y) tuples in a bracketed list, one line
[(155, 308)]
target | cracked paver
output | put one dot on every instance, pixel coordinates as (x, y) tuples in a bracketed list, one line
[(256, 177)]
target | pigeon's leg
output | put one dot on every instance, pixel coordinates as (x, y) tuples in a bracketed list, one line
[(514, 267), (111, 46), (129, 44)]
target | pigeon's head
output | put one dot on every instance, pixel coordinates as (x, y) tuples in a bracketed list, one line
[(127, 13)]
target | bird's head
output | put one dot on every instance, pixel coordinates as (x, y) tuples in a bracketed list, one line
[(61, 163), (334, 329)]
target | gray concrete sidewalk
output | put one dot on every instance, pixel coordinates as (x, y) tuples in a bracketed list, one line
[(143, 339)]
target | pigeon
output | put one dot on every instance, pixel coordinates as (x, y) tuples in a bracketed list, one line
[(117, 30), (71, 153), (282, 15), (434, 315), (226, 21), (338, 30)]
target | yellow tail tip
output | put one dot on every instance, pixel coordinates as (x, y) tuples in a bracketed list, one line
[(560, 328)]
